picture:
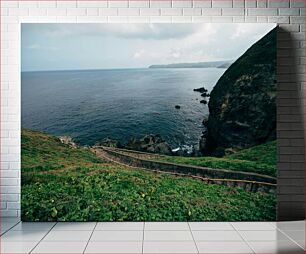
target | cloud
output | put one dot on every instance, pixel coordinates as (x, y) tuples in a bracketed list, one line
[(208, 42), (144, 55), (251, 31), (139, 54), (175, 53), (40, 47), (34, 46), (128, 31), (139, 45)]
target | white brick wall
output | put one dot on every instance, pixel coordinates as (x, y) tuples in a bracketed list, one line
[(291, 67)]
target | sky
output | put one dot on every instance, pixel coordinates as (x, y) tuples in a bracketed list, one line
[(116, 46)]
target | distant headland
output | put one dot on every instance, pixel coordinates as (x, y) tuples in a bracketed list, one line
[(214, 64)]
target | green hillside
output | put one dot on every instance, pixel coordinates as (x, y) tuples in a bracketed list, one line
[(60, 183), (258, 159), (42, 152)]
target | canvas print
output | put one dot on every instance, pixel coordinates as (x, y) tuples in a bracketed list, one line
[(148, 122)]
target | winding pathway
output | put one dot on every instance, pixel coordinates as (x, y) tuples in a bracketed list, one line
[(147, 161)]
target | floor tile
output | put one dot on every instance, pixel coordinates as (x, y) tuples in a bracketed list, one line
[(70, 226), (297, 236), (69, 236), (216, 236), (253, 226), (222, 226), (33, 226), (114, 247), (60, 247), (224, 247), (17, 247), (9, 224), (290, 225), (276, 247), (273, 235), (9, 220), (120, 226), (166, 226), (6, 225), (168, 236), (23, 236), (106, 236), (169, 247), (160, 237), (301, 243), (5, 228)]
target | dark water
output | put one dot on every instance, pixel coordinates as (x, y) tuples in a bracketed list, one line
[(94, 104)]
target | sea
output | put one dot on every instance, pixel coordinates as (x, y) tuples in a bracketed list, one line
[(90, 105)]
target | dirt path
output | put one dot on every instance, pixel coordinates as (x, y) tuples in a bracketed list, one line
[(140, 160)]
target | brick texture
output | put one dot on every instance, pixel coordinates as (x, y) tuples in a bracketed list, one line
[(289, 14)]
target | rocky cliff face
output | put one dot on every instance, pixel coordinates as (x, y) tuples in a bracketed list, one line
[(242, 105), (150, 143)]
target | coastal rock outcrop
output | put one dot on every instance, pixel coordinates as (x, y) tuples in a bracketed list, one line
[(109, 143), (200, 90), (67, 140), (205, 94), (150, 143), (242, 105), (205, 121)]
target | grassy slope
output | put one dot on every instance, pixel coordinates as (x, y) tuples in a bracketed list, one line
[(258, 159), (44, 152), (64, 184)]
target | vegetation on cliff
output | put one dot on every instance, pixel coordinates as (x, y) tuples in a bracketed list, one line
[(242, 105), (259, 159), (60, 183)]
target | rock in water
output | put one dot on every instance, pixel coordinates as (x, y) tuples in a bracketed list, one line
[(205, 121), (242, 105), (67, 140), (202, 142), (163, 148), (150, 143), (203, 101), (200, 90), (109, 143), (177, 106)]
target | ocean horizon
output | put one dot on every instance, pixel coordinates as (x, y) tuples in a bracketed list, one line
[(90, 69)]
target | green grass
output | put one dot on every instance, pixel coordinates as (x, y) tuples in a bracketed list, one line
[(41, 152), (262, 154), (84, 188), (258, 159)]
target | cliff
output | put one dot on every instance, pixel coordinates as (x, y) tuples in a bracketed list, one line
[(242, 105)]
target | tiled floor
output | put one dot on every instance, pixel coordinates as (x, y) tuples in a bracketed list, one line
[(152, 237)]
